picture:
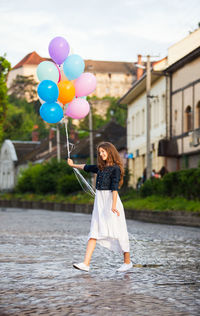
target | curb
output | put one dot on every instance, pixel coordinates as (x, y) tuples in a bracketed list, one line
[(160, 217)]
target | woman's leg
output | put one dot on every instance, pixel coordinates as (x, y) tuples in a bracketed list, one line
[(90, 248), (127, 257)]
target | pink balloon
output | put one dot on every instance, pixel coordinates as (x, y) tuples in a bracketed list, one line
[(85, 84), (78, 108), (59, 73)]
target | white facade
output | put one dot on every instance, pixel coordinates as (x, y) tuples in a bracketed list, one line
[(8, 158), (136, 129), (12, 161), (183, 47), (26, 70)]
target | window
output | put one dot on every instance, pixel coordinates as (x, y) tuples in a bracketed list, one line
[(143, 121), (163, 108), (137, 123), (156, 112), (175, 115), (188, 116), (133, 127), (107, 90)]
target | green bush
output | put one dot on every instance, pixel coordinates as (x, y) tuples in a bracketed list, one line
[(183, 183), (67, 184), (25, 181), (151, 186), (171, 184), (43, 178)]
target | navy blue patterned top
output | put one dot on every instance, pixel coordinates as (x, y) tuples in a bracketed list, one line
[(107, 179)]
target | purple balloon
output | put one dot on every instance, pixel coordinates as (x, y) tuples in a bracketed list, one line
[(58, 49)]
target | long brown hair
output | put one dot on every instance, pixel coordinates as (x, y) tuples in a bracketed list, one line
[(113, 158)]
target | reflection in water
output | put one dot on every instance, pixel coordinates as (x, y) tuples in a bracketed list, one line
[(38, 248)]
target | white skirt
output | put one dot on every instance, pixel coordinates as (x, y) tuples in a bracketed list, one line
[(107, 227)]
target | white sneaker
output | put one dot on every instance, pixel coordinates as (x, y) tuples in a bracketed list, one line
[(81, 266), (125, 267)]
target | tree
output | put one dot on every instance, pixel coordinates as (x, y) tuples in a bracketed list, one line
[(4, 69), (20, 120), (116, 111), (24, 87), (119, 112), (97, 121)]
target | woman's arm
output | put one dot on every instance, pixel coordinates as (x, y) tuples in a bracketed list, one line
[(71, 164), (114, 202)]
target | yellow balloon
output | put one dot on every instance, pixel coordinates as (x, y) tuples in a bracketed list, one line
[(66, 91)]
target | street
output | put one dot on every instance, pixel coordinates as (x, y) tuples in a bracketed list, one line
[(38, 248)]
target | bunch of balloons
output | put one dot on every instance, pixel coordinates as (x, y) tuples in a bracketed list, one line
[(63, 84)]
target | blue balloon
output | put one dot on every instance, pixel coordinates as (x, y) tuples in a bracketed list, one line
[(73, 66), (51, 112), (48, 91)]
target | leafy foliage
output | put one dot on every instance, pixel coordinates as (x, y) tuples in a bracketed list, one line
[(119, 112), (183, 183), (97, 122), (4, 69), (20, 120), (114, 111), (50, 177), (67, 184), (24, 87)]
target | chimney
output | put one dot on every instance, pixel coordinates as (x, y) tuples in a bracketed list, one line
[(35, 134), (139, 70), (51, 133)]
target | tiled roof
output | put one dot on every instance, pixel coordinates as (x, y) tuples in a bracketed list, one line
[(42, 151), (23, 148), (90, 65), (110, 66), (39, 151), (30, 59)]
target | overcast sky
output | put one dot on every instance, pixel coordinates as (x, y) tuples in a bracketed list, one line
[(115, 30)]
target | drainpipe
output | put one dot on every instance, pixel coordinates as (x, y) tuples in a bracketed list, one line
[(170, 107)]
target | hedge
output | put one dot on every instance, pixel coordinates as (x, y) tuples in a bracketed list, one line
[(185, 183), (49, 177)]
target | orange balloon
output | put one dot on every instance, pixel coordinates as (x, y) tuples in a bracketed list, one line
[(66, 91)]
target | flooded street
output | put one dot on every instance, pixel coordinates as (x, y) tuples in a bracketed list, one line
[(38, 248)]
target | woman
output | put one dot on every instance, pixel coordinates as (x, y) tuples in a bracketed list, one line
[(108, 224)]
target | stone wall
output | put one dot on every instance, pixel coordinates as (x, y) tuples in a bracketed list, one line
[(161, 217)]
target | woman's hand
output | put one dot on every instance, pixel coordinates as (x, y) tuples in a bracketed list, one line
[(70, 162), (114, 210)]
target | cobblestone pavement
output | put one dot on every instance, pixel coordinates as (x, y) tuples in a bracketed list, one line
[(38, 248)]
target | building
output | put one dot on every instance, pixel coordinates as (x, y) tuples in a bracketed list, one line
[(184, 77), (175, 112), (16, 155), (12, 159), (136, 124), (113, 78)]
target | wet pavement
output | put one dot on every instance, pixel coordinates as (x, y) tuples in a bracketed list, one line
[(38, 248)]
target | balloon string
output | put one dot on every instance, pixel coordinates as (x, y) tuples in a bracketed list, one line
[(91, 190), (66, 129), (78, 175), (89, 187)]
